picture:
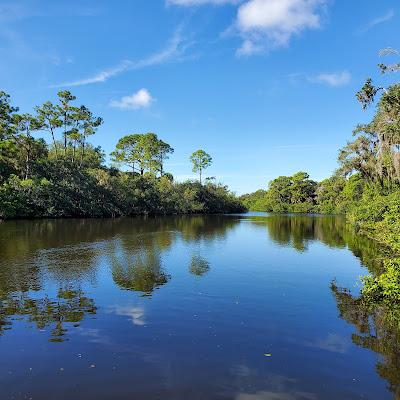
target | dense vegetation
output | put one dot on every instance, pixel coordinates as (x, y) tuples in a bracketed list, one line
[(69, 177)]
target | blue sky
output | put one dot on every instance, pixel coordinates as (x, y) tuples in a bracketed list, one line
[(265, 86)]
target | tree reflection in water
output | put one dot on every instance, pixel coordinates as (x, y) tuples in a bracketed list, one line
[(298, 231), (136, 259), (66, 253), (199, 265), (141, 272), (374, 331), (69, 307)]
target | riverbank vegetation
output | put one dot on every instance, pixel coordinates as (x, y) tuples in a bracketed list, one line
[(69, 177)]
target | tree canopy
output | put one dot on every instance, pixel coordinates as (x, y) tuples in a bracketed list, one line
[(200, 161), (69, 177), (142, 152)]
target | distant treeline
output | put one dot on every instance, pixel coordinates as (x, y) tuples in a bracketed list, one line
[(69, 178)]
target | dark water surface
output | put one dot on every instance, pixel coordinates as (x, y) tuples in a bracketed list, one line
[(219, 307)]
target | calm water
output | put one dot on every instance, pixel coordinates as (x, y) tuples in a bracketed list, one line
[(220, 307)]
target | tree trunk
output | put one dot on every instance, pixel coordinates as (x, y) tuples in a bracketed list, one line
[(161, 168), (82, 152), (27, 161), (65, 135), (28, 154), (54, 142)]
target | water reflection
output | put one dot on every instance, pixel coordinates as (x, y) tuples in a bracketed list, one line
[(276, 387), (199, 265), (374, 331), (68, 253), (299, 231), (69, 306), (50, 272), (276, 395), (141, 272), (30, 237)]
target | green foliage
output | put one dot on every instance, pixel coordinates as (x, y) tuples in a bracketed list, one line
[(62, 191), (329, 194), (7, 112), (255, 201), (295, 194), (69, 178), (200, 160), (145, 152), (384, 289), (378, 215)]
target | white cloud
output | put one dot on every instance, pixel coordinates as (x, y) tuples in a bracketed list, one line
[(135, 313), (266, 24), (140, 99), (173, 51), (200, 2), (334, 79)]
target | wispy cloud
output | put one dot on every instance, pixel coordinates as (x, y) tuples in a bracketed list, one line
[(379, 20), (332, 79), (141, 99), (174, 50)]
